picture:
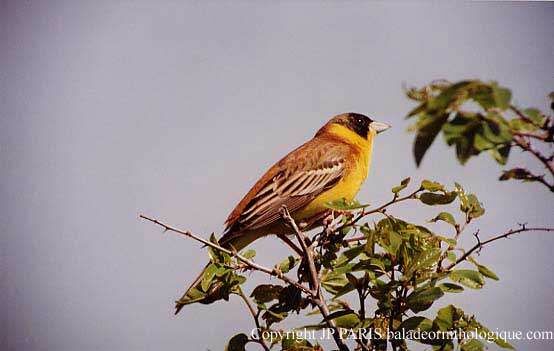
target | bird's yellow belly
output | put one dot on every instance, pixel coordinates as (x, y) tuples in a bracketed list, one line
[(346, 188)]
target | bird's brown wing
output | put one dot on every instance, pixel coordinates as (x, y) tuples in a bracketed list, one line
[(292, 182)]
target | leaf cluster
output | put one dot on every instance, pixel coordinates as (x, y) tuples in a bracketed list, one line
[(401, 268), (476, 117)]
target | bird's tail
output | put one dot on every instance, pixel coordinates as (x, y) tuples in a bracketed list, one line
[(195, 293)]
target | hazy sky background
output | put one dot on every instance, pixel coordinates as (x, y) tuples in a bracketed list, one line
[(174, 109)]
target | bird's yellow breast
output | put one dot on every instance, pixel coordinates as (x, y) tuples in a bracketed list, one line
[(356, 170)]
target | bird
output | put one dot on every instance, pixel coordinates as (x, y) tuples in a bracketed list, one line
[(331, 166)]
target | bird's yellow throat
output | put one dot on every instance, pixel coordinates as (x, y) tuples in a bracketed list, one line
[(351, 137), (354, 177)]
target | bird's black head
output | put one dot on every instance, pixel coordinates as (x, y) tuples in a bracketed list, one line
[(358, 123)]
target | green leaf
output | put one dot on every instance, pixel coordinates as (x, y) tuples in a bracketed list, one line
[(416, 323), (469, 203), (451, 288), (422, 261), (403, 184), (208, 276), (501, 95), (420, 300), (333, 283), (469, 278), (426, 134), (249, 254), (237, 279), (431, 186), (417, 110), (461, 132), (472, 345), (451, 256), (348, 255), (481, 143), (500, 154), (352, 280), (192, 296), (345, 319), (490, 336), (395, 240), (476, 210), (292, 342), (266, 292), (482, 94), (273, 317), (237, 343), (449, 241), (437, 199), (445, 217), (461, 123), (535, 116), (217, 256), (496, 129), (520, 125), (454, 94), (517, 173), (344, 205), (445, 318), (287, 264), (487, 272), (503, 343)]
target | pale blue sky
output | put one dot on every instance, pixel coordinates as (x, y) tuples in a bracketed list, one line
[(174, 109)]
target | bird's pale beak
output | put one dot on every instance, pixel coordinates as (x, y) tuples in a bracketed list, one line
[(379, 127)]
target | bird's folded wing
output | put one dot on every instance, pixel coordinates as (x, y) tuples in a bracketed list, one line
[(293, 182)]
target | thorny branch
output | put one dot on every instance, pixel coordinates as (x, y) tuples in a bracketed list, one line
[(252, 265), (523, 141), (480, 244)]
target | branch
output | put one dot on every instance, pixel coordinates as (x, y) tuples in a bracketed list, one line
[(317, 296), (380, 209), (252, 265), (522, 115), (541, 137), (522, 139), (255, 316), (308, 254), (525, 145), (480, 244)]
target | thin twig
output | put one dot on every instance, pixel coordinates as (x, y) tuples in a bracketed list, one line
[(541, 137), (380, 209), (255, 316), (525, 145), (480, 243), (252, 265)]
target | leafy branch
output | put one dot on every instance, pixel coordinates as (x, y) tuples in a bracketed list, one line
[(477, 117), (393, 262)]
